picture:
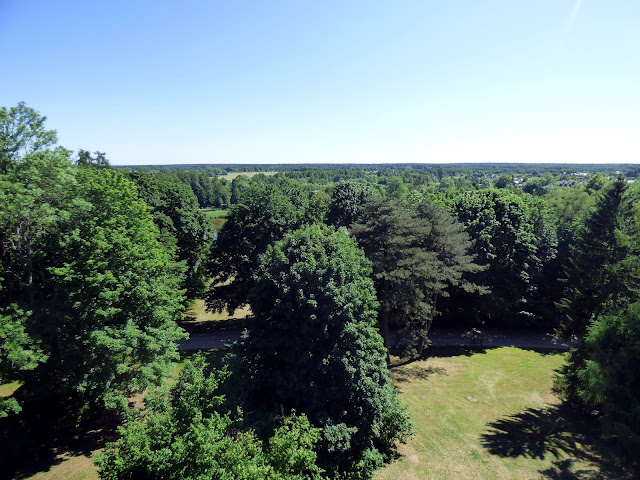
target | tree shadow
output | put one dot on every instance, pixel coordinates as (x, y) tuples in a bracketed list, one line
[(402, 374), (31, 444), (562, 470), (555, 431)]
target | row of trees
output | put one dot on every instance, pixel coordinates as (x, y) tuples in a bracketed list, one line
[(600, 309), (95, 264)]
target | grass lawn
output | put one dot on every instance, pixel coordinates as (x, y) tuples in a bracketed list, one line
[(214, 213), (216, 217), (478, 414), (491, 414), (197, 313), (7, 389)]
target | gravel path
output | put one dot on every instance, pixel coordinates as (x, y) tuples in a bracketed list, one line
[(438, 337)]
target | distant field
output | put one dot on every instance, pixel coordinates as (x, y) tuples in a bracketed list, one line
[(491, 415), (231, 176), (217, 217)]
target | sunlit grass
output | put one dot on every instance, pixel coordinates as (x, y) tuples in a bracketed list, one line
[(489, 415), (197, 312), (7, 389), (230, 176)]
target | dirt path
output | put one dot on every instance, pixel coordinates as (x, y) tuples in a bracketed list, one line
[(438, 337)]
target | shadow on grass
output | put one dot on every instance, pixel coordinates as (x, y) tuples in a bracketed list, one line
[(435, 352), (554, 431), (29, 449), (402, 373)]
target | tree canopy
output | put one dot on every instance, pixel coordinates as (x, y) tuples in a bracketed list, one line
[(315, 349)]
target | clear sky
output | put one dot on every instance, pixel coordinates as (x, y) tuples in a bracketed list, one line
[(153, 82)]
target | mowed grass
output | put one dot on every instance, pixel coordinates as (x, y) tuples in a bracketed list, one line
[(216, 217), (491, 414), (214, 213), (7, 389), (197, 312), (483, 414)]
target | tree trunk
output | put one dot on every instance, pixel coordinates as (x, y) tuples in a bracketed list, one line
[(384, 331), (427, 326)]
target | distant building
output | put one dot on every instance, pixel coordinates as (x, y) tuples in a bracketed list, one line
[(566, 183)]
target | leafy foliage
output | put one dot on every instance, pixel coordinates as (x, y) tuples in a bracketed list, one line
[(190, 436), (315, 350), (610, 380), (176, 213), (22, 133), (347, 202), (417, 257), (114, 294), (590, 284), (18, 352), (516, 238), (269, 209)]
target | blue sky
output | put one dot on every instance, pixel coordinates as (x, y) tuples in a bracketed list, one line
[(152, 82)]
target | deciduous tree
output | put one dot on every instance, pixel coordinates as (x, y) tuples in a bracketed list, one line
[(315, 349)]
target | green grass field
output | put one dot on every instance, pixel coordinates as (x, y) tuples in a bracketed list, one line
[(230, 176), (491, 414), (214, 213), (478, 414), (216, 217), (197, 312)]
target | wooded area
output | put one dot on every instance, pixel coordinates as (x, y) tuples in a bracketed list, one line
[(98, 265)]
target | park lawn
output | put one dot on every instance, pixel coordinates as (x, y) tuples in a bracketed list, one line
[(478, 414), (7, 389), (216, 217), (197, 312), (214, 212), (491, 414)]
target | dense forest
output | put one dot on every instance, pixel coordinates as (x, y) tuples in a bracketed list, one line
[(341, 267)]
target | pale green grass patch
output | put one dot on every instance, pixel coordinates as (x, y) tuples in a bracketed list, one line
[(197, 312), (487, 415), (230, 176)]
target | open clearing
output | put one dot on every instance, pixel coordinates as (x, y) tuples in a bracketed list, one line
[(231, 176), (198, 313), (478, 414), (491, 414)]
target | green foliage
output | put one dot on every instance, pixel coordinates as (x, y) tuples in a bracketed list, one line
[(86, 160), (81, 258), (609, 381), (596, 183), (315, 350), (189, 435), (504, 181), (417, 257), (589, 286), (18, 352), (516, 237), (270, 208), (114, 293), (396, 188), (176, 212), (347, 202), (22, 133)]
